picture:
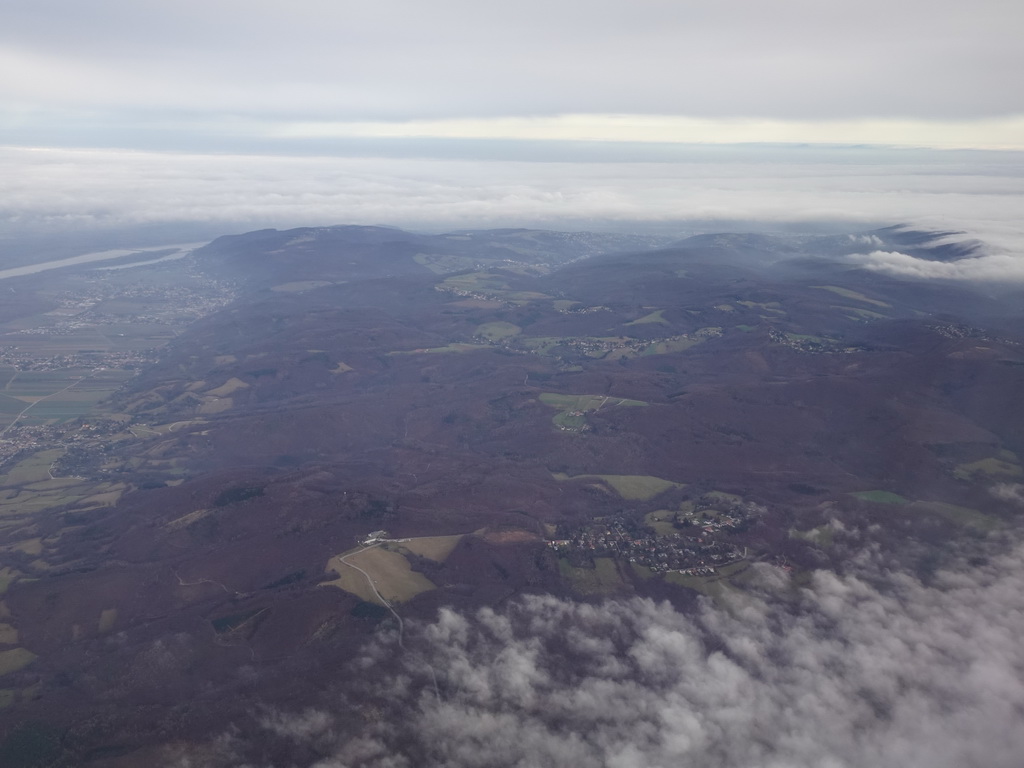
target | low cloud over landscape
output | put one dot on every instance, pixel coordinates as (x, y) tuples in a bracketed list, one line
[(64, 190), (873, 670)]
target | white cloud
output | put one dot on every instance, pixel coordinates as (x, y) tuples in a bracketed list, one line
[(869, 671), (58, 188), (998, 267)]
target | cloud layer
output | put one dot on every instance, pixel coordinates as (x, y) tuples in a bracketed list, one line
[(875, 671), (977, 192)]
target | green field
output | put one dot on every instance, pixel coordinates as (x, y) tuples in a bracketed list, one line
[(586, 402), (880, 497), (718, 586), (660, 521), (848, 294), (15, 659), (490, 284), (573, 407), (59, 395), (990, 466), (629, 487), (770, 306), (722, 496), (602, 579), (436, 548), (862, 314), (498, 330), (653, 317), (668, 346), (965, 516), (390, 571), (442, 350)]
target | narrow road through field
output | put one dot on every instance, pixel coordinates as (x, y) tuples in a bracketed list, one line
[(369, 579), (401, 625), (52, 394)]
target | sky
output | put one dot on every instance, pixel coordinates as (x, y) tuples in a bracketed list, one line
[(450, 113)]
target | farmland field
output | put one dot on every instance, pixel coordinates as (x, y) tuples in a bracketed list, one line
[(436, 548), (573, 408), (498, 330), (849, 294), (603, 578), (880, 497), (391, 574), (971, 518), (990, 466), (630, 487), (15, 659), (653, 317)]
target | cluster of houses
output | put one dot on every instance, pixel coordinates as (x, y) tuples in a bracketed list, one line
[(697, 546)]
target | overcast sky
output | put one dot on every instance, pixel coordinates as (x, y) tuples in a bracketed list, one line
[(590, 82)]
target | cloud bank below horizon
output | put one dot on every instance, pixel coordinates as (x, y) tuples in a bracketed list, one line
[(52, 189), (869, 671)]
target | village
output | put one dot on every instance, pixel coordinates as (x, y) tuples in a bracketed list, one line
[(698, 544)]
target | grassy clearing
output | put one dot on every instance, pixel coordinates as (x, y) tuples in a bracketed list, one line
[(8, 635), (498, 330), (990, 466), (108, 617), (653, 317), (660, 522), (186, 520), (442, 350), (442, 264), (33, 469), (228, 387), (668, 346), (848, 294), (770, 306), (391, 574), (717, 587), (436, 548), (880, 497), (862, 314), (965, 516), (15, 659), (211, 406), (630, 487), (574, 407), (33, 547), (300, 285), (541, 344), (602, 579), (723, 497), (586, 402), (7, 577)]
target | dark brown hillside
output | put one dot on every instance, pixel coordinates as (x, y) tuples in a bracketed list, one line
[(621, 424)]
